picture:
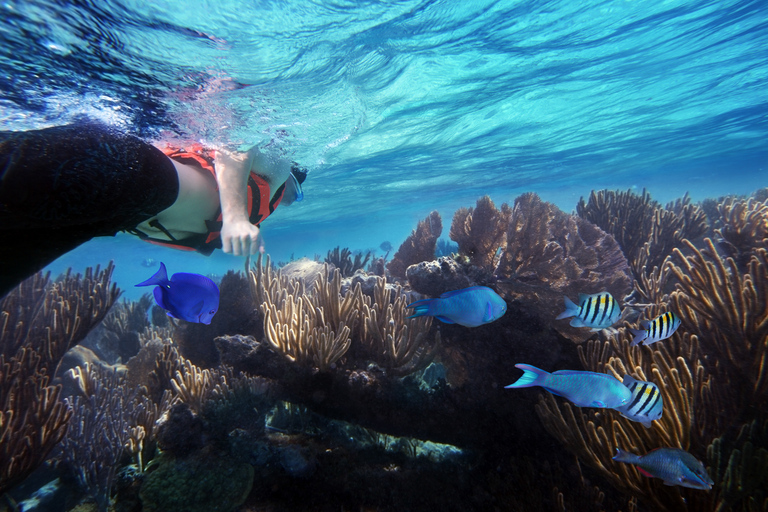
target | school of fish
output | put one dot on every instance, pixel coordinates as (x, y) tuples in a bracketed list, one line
[(195, 298)]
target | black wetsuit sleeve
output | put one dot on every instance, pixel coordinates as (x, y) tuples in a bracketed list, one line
[(61, 186)]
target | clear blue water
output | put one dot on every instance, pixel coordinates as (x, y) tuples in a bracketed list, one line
[(405, 107)]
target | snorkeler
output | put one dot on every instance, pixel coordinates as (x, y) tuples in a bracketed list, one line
[(62, 186)]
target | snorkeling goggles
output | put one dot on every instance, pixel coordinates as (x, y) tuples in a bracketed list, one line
[(296, 178)]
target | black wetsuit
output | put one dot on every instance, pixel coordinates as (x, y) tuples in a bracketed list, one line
[(62, 186)]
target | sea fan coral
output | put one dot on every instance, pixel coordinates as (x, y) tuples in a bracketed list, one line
[(419, 246)]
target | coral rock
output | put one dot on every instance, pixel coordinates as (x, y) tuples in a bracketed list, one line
[(436, 277)]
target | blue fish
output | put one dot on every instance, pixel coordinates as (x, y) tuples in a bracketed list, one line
[(469, 307), (584, 389), (597, 311), (673, 465), (646, 404), (189, 297), (660, 328)]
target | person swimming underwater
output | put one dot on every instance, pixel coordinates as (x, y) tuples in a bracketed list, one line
[(62, 186)]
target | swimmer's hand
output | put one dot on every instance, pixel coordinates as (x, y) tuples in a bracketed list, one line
[(240, 238)]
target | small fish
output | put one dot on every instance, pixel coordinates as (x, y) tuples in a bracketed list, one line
[(148, 262), (189, 297), (469, 307), (673, 465), (584, 389), (660, 328), (646, 404), (597, 311)]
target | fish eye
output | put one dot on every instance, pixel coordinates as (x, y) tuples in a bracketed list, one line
[(212, 312)]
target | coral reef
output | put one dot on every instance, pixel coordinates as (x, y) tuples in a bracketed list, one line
[(713, 296), (481, 231), (203, 482), (742, 228), (419, 246), (342, 260), (99, 430), (550, 254), (39, 321), (654, 232)]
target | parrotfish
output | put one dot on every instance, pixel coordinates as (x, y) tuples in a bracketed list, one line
[(673, 465), (469, 307), (660, 328), (597, 311), (584, 389), (190, 297), (646, 404)]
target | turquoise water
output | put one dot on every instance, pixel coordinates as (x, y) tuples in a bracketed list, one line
[(400, 108)]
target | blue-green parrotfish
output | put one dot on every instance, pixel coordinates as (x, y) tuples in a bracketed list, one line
[(469, 307), (598, 311), (584, 389), (660, 328), (673, 465), (190, 297), (646, 404)]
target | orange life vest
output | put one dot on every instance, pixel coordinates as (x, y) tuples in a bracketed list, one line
[(260, 203)]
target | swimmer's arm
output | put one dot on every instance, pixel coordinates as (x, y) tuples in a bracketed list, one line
[(238, 235)]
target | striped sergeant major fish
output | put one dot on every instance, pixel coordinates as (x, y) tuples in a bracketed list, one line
[(660, 328), (646, 404), (597, 311)]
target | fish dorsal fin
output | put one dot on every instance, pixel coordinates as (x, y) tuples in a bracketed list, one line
[(628, 380), (159, 278)]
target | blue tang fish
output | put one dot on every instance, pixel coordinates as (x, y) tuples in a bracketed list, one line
[(598, 311), (673, 465), (646, 404), (584, 389), (189, 297), (469, 307), (660, 328)]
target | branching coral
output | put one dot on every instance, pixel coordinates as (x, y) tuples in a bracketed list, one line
[(318, 327), (481, 231), (646, 232), (99, 430), (39, 322), (740, 468), (342, 260), (743, 228), (714, 297), (419, 246), (394, 341)]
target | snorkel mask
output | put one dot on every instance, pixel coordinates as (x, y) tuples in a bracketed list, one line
[(295, 178)]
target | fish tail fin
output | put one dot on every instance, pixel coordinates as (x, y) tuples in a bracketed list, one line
[(571, 309), (622, 456), (639, 336), (420, 307), (160, 277), (532, 376)]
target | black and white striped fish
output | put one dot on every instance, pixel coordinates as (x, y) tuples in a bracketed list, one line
[(597, 311), (660, 328), (646, 404)]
